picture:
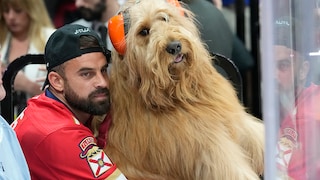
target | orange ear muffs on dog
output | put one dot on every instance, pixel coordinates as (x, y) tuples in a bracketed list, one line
[(117, 33), (177, 4), (118, 27)]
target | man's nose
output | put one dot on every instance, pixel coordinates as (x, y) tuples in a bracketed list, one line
[(79, 3), (102, 80)]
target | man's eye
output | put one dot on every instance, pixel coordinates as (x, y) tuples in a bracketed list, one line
[(104, 70), (86, 74), (284, 65)]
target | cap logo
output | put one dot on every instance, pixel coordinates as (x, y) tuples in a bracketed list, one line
[(82, 30), (282, 22)]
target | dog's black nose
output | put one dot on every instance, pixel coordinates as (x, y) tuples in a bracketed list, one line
[(174, 47)]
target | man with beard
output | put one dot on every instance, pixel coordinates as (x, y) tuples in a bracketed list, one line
[(298, 152), (95, 14), (55, 130)]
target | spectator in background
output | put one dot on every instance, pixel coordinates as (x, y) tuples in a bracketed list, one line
[(62, 11), (95, 14), (217, 34), (298, 152), (65, 11), (24, 29), (13, 164)]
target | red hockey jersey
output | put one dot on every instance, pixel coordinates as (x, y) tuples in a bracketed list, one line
[(298, 153), (57, 146)]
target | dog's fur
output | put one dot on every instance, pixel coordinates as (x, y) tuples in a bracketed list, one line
[(177, 120)]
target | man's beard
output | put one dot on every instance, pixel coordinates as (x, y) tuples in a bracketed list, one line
[(86, 104), (287, 97), (93, 15), (288, 93)]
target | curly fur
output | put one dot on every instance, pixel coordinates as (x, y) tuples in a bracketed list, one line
[(177, 120)]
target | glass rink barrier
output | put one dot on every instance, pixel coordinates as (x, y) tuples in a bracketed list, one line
[(290, 71)]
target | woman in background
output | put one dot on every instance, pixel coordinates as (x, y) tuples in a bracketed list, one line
[(25, 27)]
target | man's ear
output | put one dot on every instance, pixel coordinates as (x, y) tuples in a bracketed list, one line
[(56, 81)]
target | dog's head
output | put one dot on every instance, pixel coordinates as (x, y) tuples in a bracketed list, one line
[(159, 53)]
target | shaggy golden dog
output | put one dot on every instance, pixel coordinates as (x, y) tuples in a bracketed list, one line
[(174, 115)]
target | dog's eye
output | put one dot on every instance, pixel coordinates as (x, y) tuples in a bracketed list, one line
[(165, 19), (144, 32)]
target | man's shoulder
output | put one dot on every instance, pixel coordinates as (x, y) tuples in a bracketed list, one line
[(3, 123), (43, 116), (12, 160), (7, 134), (311, 91)]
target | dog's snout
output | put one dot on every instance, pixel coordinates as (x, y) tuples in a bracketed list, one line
[(174, 47)]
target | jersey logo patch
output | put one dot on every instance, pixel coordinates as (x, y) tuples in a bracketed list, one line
[(286, 144), (98, 161)]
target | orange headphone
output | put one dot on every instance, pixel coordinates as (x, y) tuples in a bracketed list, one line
[(118, 28)]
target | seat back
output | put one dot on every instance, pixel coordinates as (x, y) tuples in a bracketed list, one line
[(229, 70), (7, 107)]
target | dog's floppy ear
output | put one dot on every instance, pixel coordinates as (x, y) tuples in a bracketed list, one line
[(118, 27)]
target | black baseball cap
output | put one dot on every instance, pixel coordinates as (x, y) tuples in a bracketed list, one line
[(64, 45), (288, 32)]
